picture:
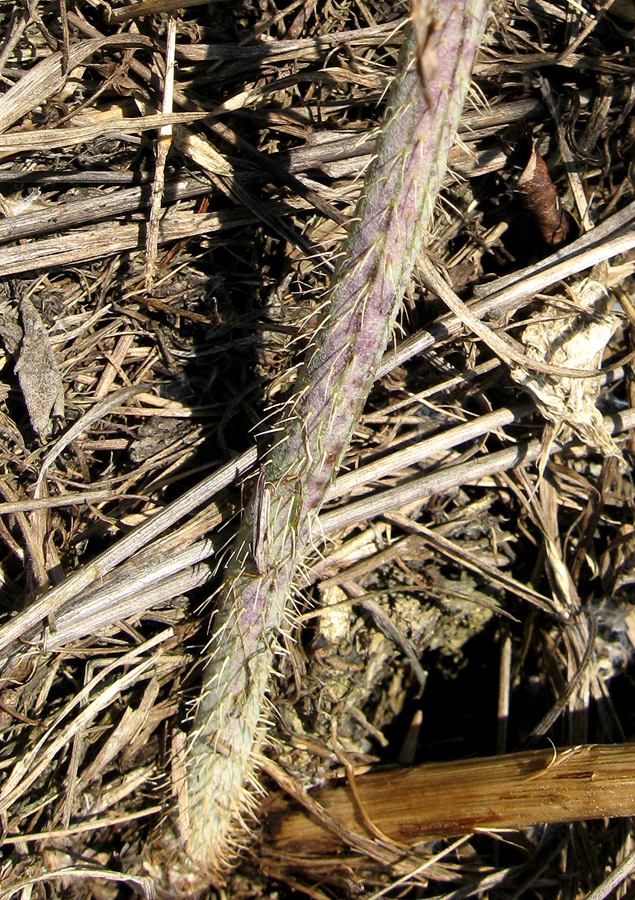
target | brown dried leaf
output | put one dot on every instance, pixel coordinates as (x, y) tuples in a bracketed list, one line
[(541, 199), (38, 374), (534, 185)]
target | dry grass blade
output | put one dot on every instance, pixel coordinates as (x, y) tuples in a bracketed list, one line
[(143, 885), (84, 211), (446, 479), (70, 250), (40, 755), (613, 881), (163, 148), (149, 8), (55, 138), (512, 295)]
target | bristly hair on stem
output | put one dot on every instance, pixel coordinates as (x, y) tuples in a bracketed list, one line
[(367, 287)]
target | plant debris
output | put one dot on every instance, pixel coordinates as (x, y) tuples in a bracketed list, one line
[(467, 589), (535, 187)]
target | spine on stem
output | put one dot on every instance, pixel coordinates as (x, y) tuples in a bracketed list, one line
[(316, 425)]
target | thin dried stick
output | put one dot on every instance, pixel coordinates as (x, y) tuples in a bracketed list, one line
[(91, 209), (163, 147), (314, 428), (613, 880), (413, 492), (501, 346), (150, 8), (96, 243), (424, 450), (53, 138)]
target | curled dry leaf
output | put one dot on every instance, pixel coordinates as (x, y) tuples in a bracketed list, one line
[(576, 338), (535, 188)]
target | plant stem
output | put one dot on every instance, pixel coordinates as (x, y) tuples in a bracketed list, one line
[(440, 800), (316, 425)]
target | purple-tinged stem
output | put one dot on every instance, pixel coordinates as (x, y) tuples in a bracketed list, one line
[(316, 425)]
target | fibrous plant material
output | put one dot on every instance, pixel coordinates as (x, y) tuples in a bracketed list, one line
[(314, 428)]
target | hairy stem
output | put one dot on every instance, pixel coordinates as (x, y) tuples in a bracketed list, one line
[(315, 427)]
